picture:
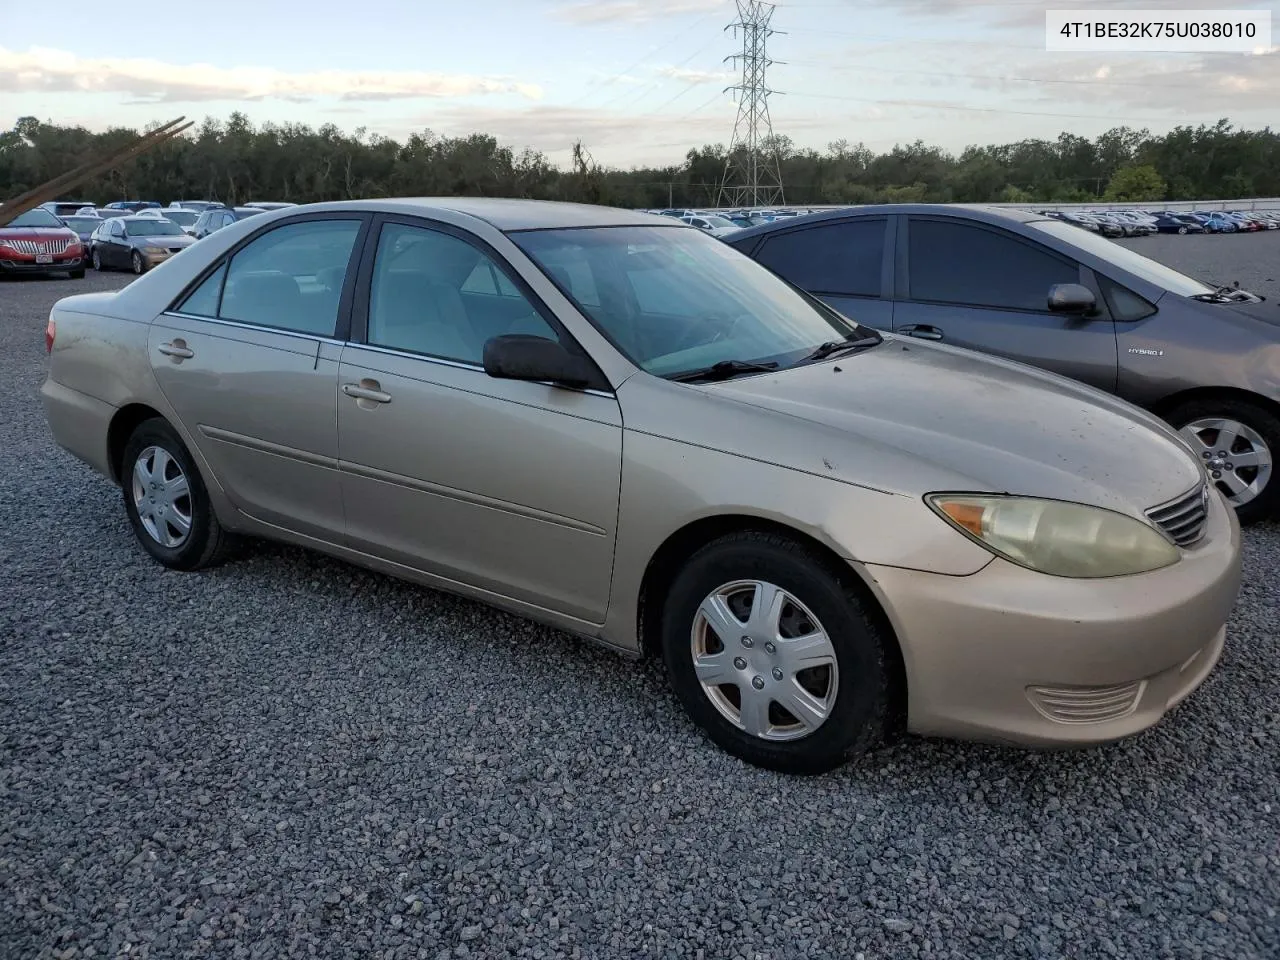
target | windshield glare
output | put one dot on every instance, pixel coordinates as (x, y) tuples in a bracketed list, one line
[(676, 300), (1144, 267), (153, 228), (35, 218)]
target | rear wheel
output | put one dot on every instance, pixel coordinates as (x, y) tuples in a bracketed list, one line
[(1237, 442), (1182, 230), (166, 500), (774, 656)]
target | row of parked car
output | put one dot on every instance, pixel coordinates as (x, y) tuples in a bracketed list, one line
[(720, 223), (125, 234), (1142, 223)]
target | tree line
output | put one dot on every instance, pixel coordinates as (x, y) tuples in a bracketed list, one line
[(235, 161)]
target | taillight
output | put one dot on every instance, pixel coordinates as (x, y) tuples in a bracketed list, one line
[(50, 331)]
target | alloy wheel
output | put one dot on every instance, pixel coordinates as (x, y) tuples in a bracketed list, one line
[(763, 660), (162, 496), (97, 260), (1235, 455), (138, 265)]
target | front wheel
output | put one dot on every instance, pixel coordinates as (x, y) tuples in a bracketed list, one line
[(1236, 441), (139, 266), (97, 260), (166, 500), (774, 655), (1182, 230)]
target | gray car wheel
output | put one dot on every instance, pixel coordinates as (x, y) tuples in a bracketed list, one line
[(1237, 442), (139, 265), (97, 260)]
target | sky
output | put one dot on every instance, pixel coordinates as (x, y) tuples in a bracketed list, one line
[(639, 82)]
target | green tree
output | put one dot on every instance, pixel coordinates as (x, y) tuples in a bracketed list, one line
[(1136, 183)]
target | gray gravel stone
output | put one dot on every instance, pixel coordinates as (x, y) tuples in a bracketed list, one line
[(456, 782)]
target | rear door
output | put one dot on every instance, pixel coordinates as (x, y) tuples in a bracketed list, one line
[(846, 263), (977, 286), (249, 360)]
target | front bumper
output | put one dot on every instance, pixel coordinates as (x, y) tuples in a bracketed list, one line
[(59, 264), (1014, 656)]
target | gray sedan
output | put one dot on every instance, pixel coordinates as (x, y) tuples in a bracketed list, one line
[(1035, 289), (136, 243)]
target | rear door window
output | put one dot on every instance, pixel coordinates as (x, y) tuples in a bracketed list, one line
[(836, 259)]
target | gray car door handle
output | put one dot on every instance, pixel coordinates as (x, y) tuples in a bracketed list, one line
[(361, 392), (922, 331), (177, 349)]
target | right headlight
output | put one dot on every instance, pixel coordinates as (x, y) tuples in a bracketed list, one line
[(1055, 537)]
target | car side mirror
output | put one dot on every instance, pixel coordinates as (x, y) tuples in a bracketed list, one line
[(522, 356), (1072, 298)]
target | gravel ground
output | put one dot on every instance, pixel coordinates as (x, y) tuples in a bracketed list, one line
[(290, 757)]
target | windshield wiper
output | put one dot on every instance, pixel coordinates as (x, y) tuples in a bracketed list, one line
[(723, 370), (832, 347)]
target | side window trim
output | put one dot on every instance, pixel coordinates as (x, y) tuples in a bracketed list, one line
[(358, 333), (343, 320), (902, 289)]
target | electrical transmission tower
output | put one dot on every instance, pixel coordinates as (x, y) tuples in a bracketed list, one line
[(752, 178)]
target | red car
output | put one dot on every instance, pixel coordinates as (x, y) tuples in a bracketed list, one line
[(38, 242)]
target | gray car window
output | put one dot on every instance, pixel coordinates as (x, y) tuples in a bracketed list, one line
[(1124, 258), (956, 262), (832, 258), (291, 278), (424, 299)]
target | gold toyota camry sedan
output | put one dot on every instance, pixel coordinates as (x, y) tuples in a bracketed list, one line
[(615, 424)]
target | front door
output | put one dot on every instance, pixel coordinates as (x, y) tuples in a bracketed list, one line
[(975, 286), (249, 362), (510, 487)]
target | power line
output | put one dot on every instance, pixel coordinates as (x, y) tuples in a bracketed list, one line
[(749, 177)]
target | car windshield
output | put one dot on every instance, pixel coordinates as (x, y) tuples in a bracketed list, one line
[(183, 218), (1144, 267), (153, 228), (82, 224), (676, 300), (719, 221), (35, 218)]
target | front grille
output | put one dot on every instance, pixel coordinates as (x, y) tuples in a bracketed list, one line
[(1184, 519), (32, 247), (1086, 704)]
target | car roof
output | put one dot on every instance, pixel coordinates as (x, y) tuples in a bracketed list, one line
[(969, 211), (506, 214)]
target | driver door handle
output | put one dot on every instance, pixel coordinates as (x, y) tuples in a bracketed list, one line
[(922, 331), (366, 390)]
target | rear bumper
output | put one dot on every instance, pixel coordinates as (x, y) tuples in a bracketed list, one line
[(1010, 655), (79, 423)]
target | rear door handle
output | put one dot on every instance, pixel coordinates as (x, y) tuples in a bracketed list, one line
[(922, 331), (366, 390), (178, 349)]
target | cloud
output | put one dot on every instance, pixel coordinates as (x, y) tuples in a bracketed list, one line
[(685, 75), (41, 70), (604, 12)]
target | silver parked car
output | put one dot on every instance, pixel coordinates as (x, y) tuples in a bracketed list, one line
[(618, 425)]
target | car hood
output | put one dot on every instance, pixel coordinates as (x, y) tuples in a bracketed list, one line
[(978, 423), (38, 234), (166, 241)]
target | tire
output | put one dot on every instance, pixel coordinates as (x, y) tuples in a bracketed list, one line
[(1193, 420), (97, 262), (1182, 231), (853, 687), (205, 543), (138, 264)]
